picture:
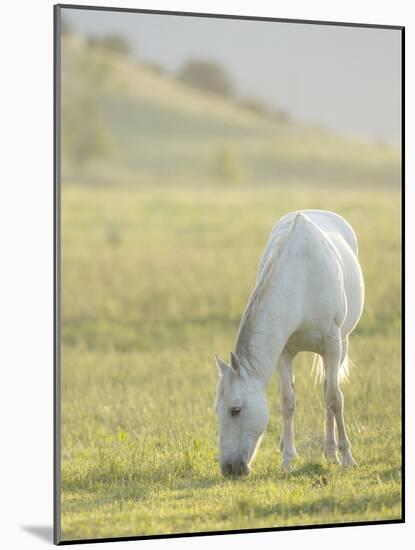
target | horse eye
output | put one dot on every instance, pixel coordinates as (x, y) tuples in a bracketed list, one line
[(235, 411)]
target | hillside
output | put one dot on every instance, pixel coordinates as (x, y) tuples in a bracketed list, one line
[(150, 127)]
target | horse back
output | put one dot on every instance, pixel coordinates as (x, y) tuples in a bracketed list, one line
[(320, 253)]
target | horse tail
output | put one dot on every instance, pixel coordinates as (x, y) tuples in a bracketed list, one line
[(318, 368)]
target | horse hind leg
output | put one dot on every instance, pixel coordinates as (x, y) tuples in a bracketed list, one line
[(333, 358), (330, 443)]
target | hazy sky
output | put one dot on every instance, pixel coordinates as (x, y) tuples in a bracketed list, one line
[(344, 78)]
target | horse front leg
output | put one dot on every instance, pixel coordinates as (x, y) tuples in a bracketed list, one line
[(286, 383)]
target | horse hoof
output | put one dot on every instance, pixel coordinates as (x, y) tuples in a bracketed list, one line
[(332, 458), (348, 461), (286, 466)]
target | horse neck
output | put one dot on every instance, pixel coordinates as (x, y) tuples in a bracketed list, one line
[(264, 333)]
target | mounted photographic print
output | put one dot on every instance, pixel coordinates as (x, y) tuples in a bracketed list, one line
[(228, 274)]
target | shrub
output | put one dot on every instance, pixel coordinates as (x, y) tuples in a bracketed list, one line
[(227, 165), (207, 76)]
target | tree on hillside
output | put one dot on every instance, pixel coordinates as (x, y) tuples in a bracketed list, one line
[(111, 42), (65, 27), (207, 76), (260, 107), (84, 134), (255, 105)]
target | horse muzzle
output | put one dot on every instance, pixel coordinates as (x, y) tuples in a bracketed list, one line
[(238, 468)]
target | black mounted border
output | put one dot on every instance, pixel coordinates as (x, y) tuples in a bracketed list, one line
[(56, 275), (57, 269)]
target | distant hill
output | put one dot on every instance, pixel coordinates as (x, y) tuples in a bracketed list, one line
[(142, 126)]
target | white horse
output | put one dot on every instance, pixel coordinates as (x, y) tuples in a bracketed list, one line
[(308, 297)]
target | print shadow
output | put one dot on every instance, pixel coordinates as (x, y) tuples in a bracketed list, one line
[(43, 532)]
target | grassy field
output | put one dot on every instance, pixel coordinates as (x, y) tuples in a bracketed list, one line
[(163, 226), (154, 282)]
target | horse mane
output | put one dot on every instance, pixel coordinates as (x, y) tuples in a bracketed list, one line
[(264, 277)]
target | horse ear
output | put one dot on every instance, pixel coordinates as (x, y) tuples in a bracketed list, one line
[(235, 364), (222, 366)]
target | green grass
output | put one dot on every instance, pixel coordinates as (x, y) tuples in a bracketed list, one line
[(155, 280)]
